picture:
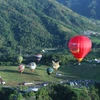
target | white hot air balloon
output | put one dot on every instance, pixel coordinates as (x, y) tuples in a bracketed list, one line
[(32, 66)]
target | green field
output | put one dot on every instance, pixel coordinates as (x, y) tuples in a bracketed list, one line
[(12, 76)]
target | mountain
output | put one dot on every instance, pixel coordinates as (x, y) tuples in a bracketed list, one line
[(31, 25), (88, 8)]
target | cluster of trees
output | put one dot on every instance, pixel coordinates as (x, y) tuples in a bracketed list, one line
[(64, 56), (88, 8), (52, 92), (64, 92)]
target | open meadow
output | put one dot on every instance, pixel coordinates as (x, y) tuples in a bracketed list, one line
[(86, 70)]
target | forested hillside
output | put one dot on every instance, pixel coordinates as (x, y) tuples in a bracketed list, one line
[(88, 8), (30, 25)]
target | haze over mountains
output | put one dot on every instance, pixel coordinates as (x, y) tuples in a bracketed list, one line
[(30, 25), (88, 8)]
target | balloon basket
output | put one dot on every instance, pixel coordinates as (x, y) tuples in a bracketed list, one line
[(79, 63)]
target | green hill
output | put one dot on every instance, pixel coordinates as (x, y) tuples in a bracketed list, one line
[(30, 25)]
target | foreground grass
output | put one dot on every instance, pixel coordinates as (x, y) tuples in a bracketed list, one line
[(12, 76)]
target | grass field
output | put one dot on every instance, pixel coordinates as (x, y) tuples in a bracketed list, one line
[(83, 71), (12, 76)]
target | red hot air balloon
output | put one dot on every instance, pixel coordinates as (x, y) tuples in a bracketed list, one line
[(79, 46), (21, 68)]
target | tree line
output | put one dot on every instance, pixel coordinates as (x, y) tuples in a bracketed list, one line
[(52, 92)]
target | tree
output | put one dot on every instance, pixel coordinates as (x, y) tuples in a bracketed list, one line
[(93, 92), (93, 12), (56, 92)]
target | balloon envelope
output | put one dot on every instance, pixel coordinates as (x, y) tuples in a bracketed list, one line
[(32, 65), (39, 56), (55, 65), (79, 46), (21, 68), (50, 70), (20, 59)]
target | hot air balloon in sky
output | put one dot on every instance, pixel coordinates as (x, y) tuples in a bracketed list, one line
[(79, 46), (55, 65), (38, 57), (50, 70), (19, 59), (32, 66), (21, 68)]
